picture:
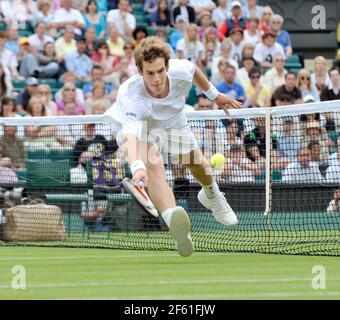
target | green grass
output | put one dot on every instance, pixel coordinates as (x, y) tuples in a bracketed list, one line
[(75, 273)]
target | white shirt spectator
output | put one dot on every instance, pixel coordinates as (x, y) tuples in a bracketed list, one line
[(220, 15), (115, 17), (236, 51), (6, 9), (215, 74), (37, 43), (333, 171), (295, 173), (254, 40), (264, 53), (63, 15), (201, 3), (25, 11), (8, 61), (273, 80), (195, 50)]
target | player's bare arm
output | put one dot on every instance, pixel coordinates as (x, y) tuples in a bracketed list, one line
[(222, 100)]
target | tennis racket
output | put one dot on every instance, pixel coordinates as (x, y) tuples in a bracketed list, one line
[(140, 196)]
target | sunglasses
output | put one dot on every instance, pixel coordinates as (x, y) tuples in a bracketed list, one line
[(128, 48), (69, 89), (267, 13), (279, 60), (305, 78), (255, 77)]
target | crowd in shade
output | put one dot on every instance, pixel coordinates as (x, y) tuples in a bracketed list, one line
[(64, 57)]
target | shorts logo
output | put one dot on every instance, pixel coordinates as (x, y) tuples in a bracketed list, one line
[(131, 114)]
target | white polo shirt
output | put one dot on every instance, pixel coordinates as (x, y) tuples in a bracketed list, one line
[(115, 17), (63, 15)]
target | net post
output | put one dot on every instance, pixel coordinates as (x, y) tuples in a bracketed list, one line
[(268, 181)]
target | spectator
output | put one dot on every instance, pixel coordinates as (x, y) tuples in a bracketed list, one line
[(150, 6), (242, 74), (6, 86), (202, 5), (303, 170), (97, 75), (139, 34), (163, 35), (306, 86), (94, 19), (161, 17), (66, 44), (205, 22), (320, 76), (39, 136), (237, 44), (25, 11), (12, 43), (67, 15), (235, 134), (69, 95), (6, 12), (102, 57), (39, 38), (221, 13), (179, 32), (122, 19), (282, 36), (305, 119), (8, 108), (90, 40), (332, 92), (97, 95), (252, 34), (128, 64), (225, 54), (314, 132), (39, 65), (288, 141), (212, 47), (115, 43), (31, 88), (44, 90), (316, 156), (239, 168), (80, 5), (7, 58), (78, 62), (247, 51), (334, 205), (252, 10), (68, 134), (257, 94), (13, 148), (190, 47), (185, 10), (46, 15), (265, 52), (289, 88), (275, 76), (236, 21), (229, 86), (99, 108), (266, 19)]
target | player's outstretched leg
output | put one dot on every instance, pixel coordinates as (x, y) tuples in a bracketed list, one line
[(163, 198), (210, 195)]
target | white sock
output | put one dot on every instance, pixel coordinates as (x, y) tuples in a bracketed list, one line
[(211, 190), (166, 215)]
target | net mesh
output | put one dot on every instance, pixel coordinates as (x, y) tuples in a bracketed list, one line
[(60, 183)]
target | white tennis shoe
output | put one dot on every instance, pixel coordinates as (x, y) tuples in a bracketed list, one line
[(220, 208), (179, 228)]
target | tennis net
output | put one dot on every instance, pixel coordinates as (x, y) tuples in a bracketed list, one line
[(281, 177)]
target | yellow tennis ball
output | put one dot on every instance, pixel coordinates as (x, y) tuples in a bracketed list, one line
[(217, 160)]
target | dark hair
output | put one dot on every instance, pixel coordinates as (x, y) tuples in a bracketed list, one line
[(290, 72), (312, 144), (254, 70), (3, 86), (6, 101), (303, 117), (138, 29), (88, 4), (332, 69), (102, 44)]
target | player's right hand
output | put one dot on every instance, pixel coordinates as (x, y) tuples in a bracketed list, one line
[(140, 175)]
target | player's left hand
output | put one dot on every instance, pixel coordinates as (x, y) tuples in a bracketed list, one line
[(225, 102)]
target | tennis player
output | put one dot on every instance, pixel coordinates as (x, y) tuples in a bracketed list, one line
[(149, 109)]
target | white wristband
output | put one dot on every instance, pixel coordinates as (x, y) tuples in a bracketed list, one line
[(137, 165), (212, 93)]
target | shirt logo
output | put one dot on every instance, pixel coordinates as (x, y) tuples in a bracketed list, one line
[(131, 114)]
